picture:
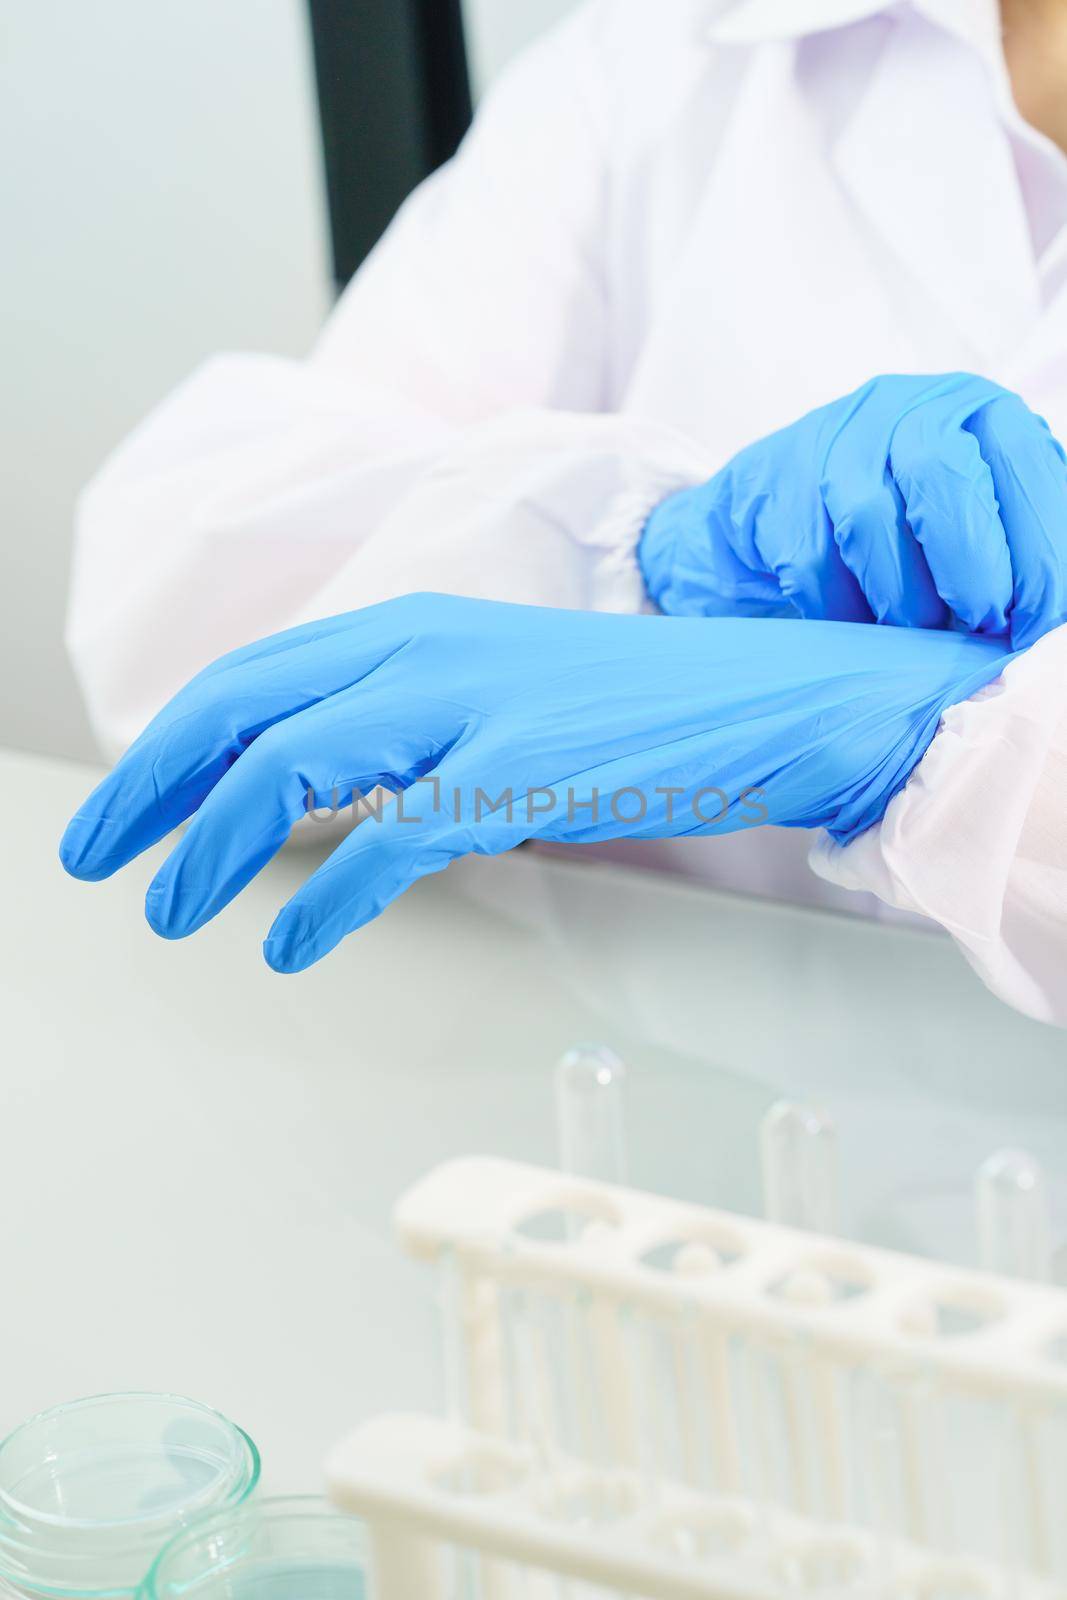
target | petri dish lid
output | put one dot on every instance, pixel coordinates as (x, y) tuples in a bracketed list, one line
[(90, 1491)]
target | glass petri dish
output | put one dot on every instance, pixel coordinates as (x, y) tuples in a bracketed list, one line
[(91, 1491), (295, 1548)]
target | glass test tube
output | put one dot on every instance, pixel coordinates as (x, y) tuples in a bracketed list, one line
[(590, 1087), (798, 1147), (1011, 1213)]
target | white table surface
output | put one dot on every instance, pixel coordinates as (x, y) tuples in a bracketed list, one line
[(198, 1157)]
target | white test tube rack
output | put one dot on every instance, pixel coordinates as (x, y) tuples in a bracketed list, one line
[(663, 1400)]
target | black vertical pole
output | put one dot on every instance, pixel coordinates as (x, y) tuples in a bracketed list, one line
[(394, 100)]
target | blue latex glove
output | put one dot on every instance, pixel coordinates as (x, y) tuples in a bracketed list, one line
[(799, 723), (926, 502)]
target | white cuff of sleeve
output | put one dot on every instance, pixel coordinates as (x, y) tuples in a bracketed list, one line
[(539, 507), (977, 839), (593, 480), (643, 466)]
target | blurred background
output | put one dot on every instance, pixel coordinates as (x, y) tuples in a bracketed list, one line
[(184, 178)]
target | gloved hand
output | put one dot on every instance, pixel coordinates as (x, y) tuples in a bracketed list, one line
[(914, 501), (597, 725)]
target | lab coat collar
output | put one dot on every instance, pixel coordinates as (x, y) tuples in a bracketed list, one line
[(976, 22), (923, 156), (757, 21)]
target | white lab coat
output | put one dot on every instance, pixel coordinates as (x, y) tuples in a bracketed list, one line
[(672, 229)]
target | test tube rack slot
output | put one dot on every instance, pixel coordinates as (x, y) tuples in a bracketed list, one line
[(654, 1398)]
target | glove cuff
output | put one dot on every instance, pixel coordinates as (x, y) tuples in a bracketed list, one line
[(975, 840)]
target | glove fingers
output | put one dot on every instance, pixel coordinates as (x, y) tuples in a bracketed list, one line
[(789, 534), (877, 545), (185, 750), (690, 564), (366, 873), (322, 758), (134, 807), (1029, 473), (952, 508)]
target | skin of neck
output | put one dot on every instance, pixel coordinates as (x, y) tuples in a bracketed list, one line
[(1035, 48)]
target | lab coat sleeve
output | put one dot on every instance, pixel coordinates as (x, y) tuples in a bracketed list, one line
[(239, 505), (537, 507), (977, 839)]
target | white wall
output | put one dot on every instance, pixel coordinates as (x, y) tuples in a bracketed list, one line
[(161, 197), (497, 29)]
